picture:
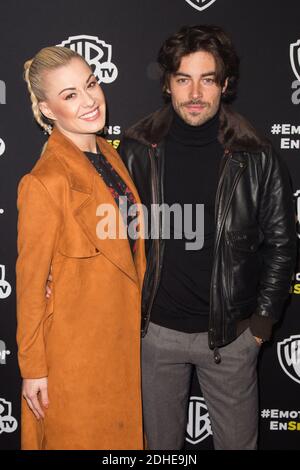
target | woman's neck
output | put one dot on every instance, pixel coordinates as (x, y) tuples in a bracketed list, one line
[(85, 142)]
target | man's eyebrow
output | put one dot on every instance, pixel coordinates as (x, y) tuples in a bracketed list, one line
[(206, 74), (182, 74)]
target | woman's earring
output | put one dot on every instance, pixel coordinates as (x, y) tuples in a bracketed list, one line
[(48, 129)]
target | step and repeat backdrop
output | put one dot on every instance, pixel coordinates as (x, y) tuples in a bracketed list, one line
[(120, 39)]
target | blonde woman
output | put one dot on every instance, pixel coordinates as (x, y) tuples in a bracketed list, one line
[(79, 350)]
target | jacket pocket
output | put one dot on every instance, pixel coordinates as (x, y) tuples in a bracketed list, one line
[(244, 241), (75, 244), (243, 265)]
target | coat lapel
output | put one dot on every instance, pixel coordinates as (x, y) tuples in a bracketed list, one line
[(115, 160), (88, 192)]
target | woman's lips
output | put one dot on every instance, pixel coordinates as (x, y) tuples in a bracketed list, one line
[(91, 116)]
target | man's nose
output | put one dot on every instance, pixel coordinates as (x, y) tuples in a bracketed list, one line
[(196, 90)]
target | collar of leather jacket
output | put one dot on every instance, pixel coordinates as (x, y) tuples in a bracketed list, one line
[(235, 133)]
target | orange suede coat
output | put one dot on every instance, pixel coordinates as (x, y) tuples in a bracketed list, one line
[(86, 337)]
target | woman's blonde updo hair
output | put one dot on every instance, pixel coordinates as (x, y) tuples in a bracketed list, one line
[(45, 60)]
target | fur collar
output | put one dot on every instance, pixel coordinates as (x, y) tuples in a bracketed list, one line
[(235, 134)]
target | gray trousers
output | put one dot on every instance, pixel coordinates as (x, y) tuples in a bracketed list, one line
[(229, 388)]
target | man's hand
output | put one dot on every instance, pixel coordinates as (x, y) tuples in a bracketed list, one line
[(258, 340), (35, 392)]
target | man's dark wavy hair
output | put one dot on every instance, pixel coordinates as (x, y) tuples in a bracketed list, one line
[(208, 38)]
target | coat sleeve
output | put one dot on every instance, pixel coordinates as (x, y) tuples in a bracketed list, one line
[(278, 222), (38, 228)]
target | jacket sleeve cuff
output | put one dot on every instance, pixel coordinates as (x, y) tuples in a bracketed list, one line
[(261, 326)]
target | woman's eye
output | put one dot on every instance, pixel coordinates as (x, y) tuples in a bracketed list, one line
[(71, 95), (92, 84)]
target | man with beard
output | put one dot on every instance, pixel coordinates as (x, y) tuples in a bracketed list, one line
[(209, 308)]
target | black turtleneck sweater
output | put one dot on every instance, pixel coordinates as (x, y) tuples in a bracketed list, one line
[(193, 156)]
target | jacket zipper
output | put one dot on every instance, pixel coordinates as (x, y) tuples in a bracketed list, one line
[(211, 323), (236, 180), (154, 184)]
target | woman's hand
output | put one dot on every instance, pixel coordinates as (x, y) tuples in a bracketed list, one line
[(35, 392), (48, 286)]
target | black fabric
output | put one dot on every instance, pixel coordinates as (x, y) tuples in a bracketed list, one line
[(116, 186), (253, 263), (193, 156)]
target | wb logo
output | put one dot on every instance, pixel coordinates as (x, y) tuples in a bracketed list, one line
[(297, 198), (295, 64), (97, 54), (200, 4), (198, 426), (7, 422), (2, 147), (5, 288), (2, 92), (3, 352), (288, 352)]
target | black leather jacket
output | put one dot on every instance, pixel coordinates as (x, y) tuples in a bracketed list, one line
[(255, 239)]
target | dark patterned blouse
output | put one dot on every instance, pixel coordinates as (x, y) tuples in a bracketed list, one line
[(117, 187)]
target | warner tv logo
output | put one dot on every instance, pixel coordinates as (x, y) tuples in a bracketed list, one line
[(288, 352), (97, 53), (200, 4), (2, 92), (295, 64), (198, 426), (2, 147), (7, 422), (5, 288)]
